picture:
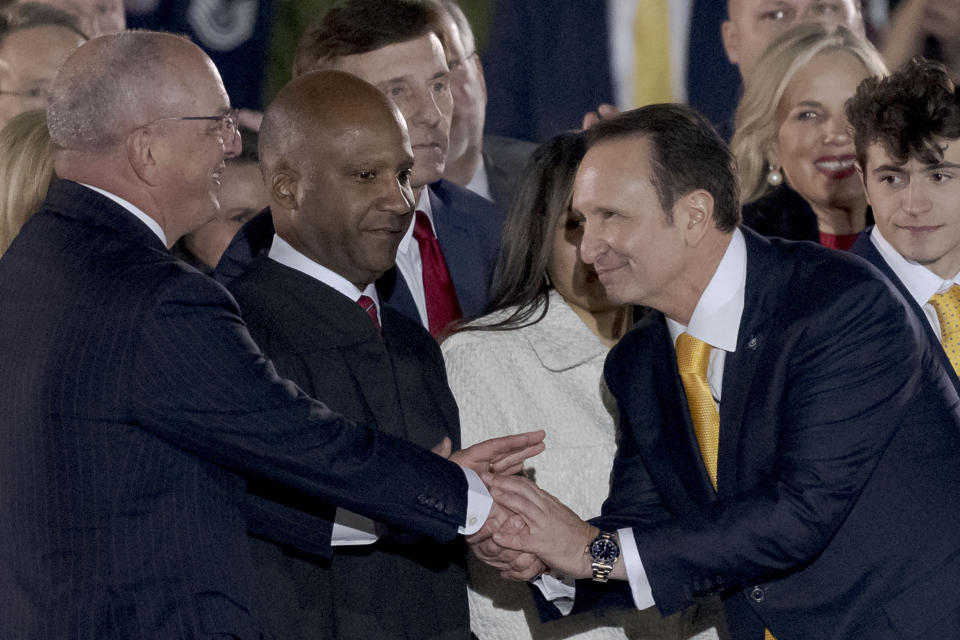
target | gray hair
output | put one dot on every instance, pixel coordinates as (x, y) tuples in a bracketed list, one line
[(100, 95)]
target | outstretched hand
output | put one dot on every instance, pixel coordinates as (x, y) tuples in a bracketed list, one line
[(503, 455), (553, 532)]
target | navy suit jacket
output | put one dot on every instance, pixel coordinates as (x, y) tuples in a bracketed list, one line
[(468, 229), (135, 407), (547, 63), (326, 344), (839, 461), (864, 248)]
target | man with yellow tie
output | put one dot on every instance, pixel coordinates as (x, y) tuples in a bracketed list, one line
[(907, 137), (790, 436)]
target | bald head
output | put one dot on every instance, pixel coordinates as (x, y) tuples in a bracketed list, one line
[(336, 160), (328, 104), (116, 83)]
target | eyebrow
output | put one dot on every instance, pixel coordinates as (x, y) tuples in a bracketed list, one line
[(889, 167)]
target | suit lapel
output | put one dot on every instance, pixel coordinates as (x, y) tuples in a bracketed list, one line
[(461, 252)]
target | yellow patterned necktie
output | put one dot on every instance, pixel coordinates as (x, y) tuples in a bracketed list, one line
[(948, 312), (651, 58), (693, 356)]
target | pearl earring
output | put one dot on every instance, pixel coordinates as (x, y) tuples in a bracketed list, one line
[(774, 177)]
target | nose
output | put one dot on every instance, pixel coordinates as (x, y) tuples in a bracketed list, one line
[(398, 197), (426, 111), (915, 200), (232, 147), (592, 246), (838, 132)]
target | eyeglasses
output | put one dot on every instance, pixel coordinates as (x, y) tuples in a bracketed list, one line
[(226, 123)]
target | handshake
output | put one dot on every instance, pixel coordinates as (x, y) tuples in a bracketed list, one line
[(528, 531)]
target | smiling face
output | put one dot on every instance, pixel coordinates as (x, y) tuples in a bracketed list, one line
[(355, 200), (577, 282), (813, 145), (636, 252), (754, 24), (917, 206), (29, 59), (414, 75)]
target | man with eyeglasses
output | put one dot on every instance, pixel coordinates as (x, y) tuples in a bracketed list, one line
[(134, 406), (34, 41)]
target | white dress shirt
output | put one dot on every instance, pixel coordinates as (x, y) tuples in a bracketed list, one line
[(919, 281), (480, 183), (351, 528), (408, 259)]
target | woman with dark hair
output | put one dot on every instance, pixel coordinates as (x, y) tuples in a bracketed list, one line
[(537, 359)]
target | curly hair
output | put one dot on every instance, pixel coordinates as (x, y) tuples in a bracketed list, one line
[(906, 112)]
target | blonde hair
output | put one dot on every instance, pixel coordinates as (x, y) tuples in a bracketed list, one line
[(26, 169), (756, 125)]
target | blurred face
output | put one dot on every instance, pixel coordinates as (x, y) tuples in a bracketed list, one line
[(29, 59), (356, 200), (415, 76), (636, 253), (917, 206), (97, 17), (469, 93), (754, 24), (813, 144), (190, 154), (577, 282), (242, 196)]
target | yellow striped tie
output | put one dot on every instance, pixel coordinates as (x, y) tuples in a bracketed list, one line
[(651, 57), (693, 356), (948, 312)]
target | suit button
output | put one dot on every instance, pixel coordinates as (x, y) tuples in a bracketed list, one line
[(757, 594), (439, 505), (422, 499)]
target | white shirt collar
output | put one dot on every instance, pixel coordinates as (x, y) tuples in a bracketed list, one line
[(423, 204), (716, 318), (480, 182), (140, 215), (919, 281), (281, 251)]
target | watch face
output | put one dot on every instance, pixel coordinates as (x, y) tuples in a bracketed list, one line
[(604, 550)]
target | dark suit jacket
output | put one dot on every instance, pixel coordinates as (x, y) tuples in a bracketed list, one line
[(135, 407), (468, 230), (504, 160), (783, 213), (864, 248), (325, 343), (547, 63), (839, 463)]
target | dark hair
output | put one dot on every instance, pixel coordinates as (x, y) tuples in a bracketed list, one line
[(687, 154), (27, 15), (361, 26), (540, 203), (906, 112)]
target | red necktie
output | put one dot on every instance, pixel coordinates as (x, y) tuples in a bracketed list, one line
[(368, 305), (442, 305)]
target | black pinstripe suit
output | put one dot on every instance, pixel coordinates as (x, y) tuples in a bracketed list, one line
[(133, 407)]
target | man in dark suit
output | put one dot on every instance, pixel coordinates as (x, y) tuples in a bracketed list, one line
[(135, 404), (907, 136), (790, 438), (488, 165), (311, 304), (445, 262)]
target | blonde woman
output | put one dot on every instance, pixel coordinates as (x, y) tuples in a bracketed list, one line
[(792, 140), (26, 169)]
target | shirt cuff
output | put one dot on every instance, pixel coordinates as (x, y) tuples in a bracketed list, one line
[(351, 529), (479, 503), (559, 592), (637, 577)]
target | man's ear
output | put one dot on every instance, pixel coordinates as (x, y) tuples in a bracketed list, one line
[(483, 78), (731, 41), (697, 214), (284, 187), (141, 154), (863, 181)]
